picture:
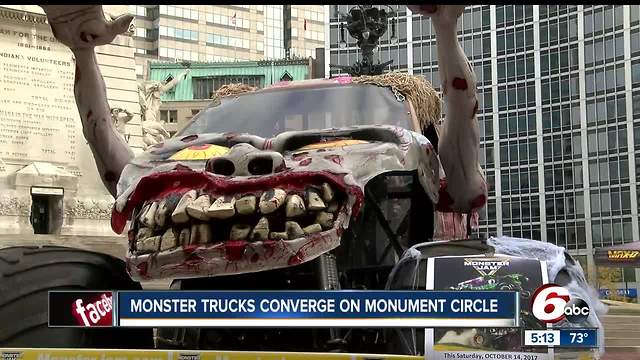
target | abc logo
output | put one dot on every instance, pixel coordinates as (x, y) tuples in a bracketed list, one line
[(551, 303)]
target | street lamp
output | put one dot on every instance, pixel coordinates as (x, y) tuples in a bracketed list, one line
[(367, 24), (343, 44)]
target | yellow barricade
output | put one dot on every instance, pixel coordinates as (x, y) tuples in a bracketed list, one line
[(100, 354)]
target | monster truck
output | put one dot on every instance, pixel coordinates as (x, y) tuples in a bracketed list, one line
[(510, 282), (318, 184)]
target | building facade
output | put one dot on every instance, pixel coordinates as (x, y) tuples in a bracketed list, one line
[(51, 192), (195, 92), (208, 33), (559, 114)]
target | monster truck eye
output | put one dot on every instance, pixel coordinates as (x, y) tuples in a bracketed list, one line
[(222, 166), (260, 166), (491, 281)]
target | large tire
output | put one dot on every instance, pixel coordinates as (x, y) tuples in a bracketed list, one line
[(26, 276)]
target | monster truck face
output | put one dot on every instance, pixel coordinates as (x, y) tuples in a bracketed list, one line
[(253, 184)]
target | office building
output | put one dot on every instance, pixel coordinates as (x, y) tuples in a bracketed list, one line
[(559, 94), (213, 33)]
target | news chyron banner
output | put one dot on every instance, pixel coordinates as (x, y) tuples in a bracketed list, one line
[(408, 309)]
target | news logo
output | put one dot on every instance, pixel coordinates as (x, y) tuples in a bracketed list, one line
[(552, 303), (81, 308)]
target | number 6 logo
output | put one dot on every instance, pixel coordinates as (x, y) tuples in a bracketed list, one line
[(548, 303)]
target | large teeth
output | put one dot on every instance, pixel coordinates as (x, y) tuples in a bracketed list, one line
[(260, 231), (327, 192), (312, 229), (278, 236), (295, 206), (143, 233), (200, 234), (148, 245), (198, 208), (293, 230), (271, 200), (239, 231), (246, 205), (314, 202), (168, 240), (222, 208), (184, 219), (325, 219), (147, 218), (179, 215), (185, 237), (165, 209)]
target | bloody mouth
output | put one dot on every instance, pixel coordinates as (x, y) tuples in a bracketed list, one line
[(190, 209)]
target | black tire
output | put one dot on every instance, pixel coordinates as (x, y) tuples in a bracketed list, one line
[(26, 276)]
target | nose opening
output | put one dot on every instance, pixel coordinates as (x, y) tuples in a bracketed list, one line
[(222, 166), (260, 166)]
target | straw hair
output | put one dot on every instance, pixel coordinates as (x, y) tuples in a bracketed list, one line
[(232, 90), (416, 88)]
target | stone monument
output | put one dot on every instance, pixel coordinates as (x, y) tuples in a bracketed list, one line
[(150, 92)]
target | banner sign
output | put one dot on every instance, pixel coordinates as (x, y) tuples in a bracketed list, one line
[(407, 309), (318, 308)]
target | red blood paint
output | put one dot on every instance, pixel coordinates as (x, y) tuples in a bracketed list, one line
[(299, 156), (189, 249), (193, 259), (269, 247), (189, 138), (459, 83), (199, 147), (305, 162), (478, 201), (234, 249), (475, 110), (335, 158), (143, 268), (445, 201), (131, 235), (295, 260)]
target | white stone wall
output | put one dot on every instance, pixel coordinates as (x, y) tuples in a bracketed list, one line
[(87, 204)]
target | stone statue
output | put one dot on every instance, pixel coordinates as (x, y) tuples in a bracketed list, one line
[(149, 94), (120, 118)]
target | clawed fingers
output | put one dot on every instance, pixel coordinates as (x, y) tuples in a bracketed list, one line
[(120, 24)]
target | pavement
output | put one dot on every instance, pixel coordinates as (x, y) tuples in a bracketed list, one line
[(622, 331)]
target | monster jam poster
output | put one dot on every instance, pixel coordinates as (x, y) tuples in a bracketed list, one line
[(497, 272)]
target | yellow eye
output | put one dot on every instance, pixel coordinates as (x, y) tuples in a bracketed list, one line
[(335, 143), (200, 152)]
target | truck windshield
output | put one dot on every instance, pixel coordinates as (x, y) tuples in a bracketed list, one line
[(269, 113)]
